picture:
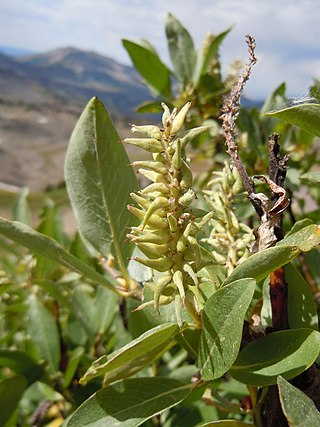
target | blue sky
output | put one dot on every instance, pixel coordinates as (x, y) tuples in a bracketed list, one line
[(287, 32)]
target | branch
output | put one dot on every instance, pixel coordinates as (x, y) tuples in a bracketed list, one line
[(230, 111)]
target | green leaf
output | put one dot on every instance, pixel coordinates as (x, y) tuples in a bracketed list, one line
[(129, 402), (223, 317), (311, 178), (99, 182), (44, 332), (43, 245), (11, 391), (74, 359), (286, 353), (306, 116), (306, 238), (22, 364), (21, 209), (181, 49), (155, 73), (206, 54), (134, 356), (299, 409), (262, 263), (302, 309)]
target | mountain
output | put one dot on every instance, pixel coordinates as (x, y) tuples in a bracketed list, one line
[(70, 77), (41, 98)]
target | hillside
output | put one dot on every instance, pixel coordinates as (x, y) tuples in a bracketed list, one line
[(41, 98)]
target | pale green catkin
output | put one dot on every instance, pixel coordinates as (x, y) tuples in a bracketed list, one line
[(168, 228)]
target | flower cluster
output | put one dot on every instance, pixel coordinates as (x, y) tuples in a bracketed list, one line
[(168, 228), (229, 239)]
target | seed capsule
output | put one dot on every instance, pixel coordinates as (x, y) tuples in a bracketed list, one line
[(157, 186), (144, 203), (153, 176), (179, 119), (158, 203), (153, 250), (178, 281), (151, 145), (187, 197), (161, 284), (157, 236), (155, 220), (160, 264), (149, 130), (153, 166), (186, 180), (176, 158), (173, 224)]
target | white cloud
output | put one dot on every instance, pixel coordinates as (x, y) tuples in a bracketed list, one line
[(287, 32)]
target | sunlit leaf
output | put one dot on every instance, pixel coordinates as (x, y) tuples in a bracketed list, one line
[(181, 49), (304, 115), (223, 317), (134, 356), (298, 408), (154, 72), (99, 181), (286, 353), (129, 402)]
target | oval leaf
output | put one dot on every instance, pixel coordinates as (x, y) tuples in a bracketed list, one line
[(305, 116), (181, 49), (99, 182), (262, 263), (130, 402), (286, 353), (298, 408), (222, 318), (44, 332), (134, 356), (155, 73)]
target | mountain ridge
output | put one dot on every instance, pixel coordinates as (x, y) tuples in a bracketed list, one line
[(71, 76)]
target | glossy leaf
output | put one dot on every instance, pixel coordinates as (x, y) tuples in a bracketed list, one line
[(222, 318), (262, 263), (286, 353), (298, 408), (181, 49), (302, 309), (11, 391), (129, 402), (22, 364), (134, 356), (154, 72), (96, 173), (44, 332), (149, 107), (306, 116), (43, 245)]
